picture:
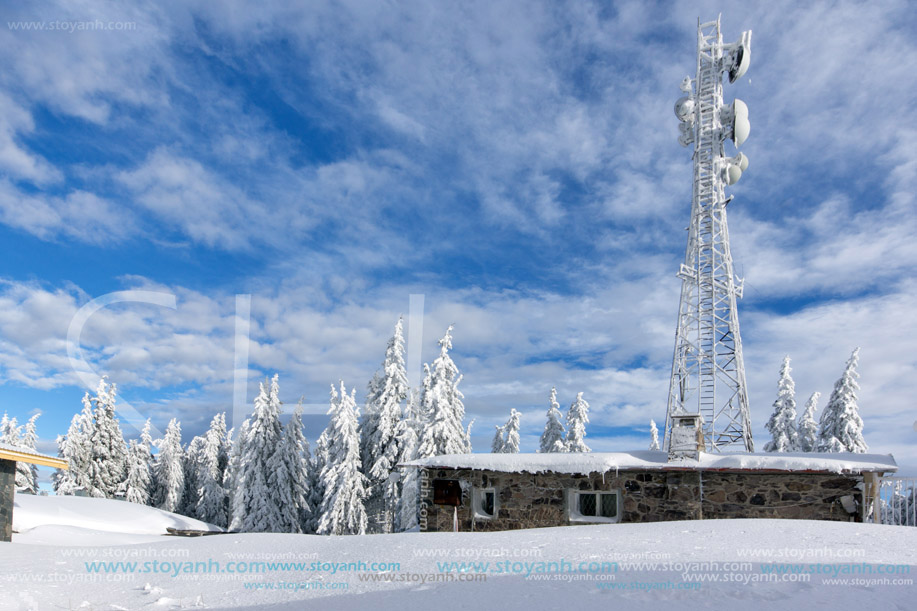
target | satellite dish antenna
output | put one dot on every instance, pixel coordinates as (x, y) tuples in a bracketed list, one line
[(740, 57), (684, 109), (734, 168), (736, 118), (687, 133)]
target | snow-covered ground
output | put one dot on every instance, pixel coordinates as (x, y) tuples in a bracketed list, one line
[(54, 562)]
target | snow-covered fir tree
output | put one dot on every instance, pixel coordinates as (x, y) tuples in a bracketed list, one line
[(139, 471), (257, 505), (232, 469), (316, 488), (168, 471), (211, 496), (807, 427), (405, 493), (191, 466), (379, 450), (289, 476), (441, 404), (29, 471), (499, 440), (74, 448), (841, 428), (342, 511), (108, 465), (511, 446), (654, 436), (577, 417), (552, 439), (782, 423)]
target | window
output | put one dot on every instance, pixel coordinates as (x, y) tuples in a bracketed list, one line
[(447, 492), (485, 503), (594, 506)]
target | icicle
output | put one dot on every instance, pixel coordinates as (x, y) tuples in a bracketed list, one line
[(455, 518)]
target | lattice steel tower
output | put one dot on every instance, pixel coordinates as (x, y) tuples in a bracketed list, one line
[(708, 373)]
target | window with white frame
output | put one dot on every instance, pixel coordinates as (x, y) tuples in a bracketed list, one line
[(594, 505), (485, 503)]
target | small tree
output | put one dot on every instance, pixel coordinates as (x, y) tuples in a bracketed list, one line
[(499, 440), (654, 436), (577, 417), (552, 439), (841, 428), (807, 428), (782, 423)]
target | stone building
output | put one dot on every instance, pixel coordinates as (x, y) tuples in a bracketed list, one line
[(9, 456), (490, 492)]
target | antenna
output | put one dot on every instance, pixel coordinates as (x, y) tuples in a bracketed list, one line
[(708, 371)]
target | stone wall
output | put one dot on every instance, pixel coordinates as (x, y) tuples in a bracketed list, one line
[(540, 500), (7, 490)]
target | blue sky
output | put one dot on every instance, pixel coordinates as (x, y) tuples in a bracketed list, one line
[(515, 163)]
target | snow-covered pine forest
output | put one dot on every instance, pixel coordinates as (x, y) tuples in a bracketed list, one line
[(265, 477)]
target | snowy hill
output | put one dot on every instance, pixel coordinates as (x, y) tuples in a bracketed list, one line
[(759, 564), (73, 520)]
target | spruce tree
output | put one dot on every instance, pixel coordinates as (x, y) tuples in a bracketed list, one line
[(552, 439), (342, 509), (139, 473), (256, 505), (168, 471), (108, 463), (289, 476), (75, 449), (385, 401), (511, 446), (654, 436), (191, 466), (499, 440), (441, 404), (807, 428), (577, 417), (841, 428), (782, 423), (211, 496)]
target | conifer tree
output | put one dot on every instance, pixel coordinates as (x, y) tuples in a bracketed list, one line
[(139, 473), (654, 436), (807, 428), (577, 417), (841, 428), (385, 401), (441, 404), (108, 463), (191, 465), (342, 509), (211, 496), (782, 423), (499, 440), (406, 492), (289, 476), (75, 449), (168, 471), (256, 505), (552, 439), (511, 446)]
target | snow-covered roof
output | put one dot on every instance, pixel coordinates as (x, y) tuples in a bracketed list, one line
[(600, 462), (19, 453)]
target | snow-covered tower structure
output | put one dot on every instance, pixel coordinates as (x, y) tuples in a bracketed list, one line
[(708, 372)]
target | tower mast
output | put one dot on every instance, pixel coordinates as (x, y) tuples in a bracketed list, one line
[(708, 371)]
